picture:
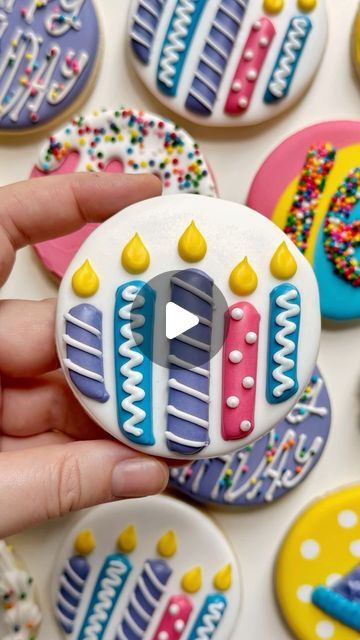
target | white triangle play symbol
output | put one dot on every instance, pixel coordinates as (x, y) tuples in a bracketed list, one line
[(178, 320)]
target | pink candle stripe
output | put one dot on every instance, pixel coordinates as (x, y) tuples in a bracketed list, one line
[(175, 618), (251, 61), (240, 355)]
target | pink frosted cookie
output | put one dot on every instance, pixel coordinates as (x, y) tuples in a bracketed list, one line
[(122, 140), (309, 186)]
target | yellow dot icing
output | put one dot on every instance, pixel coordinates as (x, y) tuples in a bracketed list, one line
[(223, 578), (243, 279), (85, 542), (85, 281), (192, 245), (307, 5), (127, 539), (273, 6), (283, 264), (192, 580), (135, 257), (167, 545)]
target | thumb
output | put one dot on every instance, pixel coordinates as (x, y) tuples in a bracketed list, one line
[(46, 482)]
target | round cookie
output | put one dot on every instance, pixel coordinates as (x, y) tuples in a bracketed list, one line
[(121, 140), (20, 615), (309, 186), (227, 62), (140, 569), (111, 335), (48, 59), (317, 570), (275, 464)]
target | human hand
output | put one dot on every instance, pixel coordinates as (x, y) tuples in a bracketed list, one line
[(53, 458)]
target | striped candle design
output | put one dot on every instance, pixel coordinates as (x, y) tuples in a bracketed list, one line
[(144, 27), (215, 56), (107, 590), (209, 617), (189, 370), (72, 584), (144, 600), (284, 325), (176, 615), (83, 340)]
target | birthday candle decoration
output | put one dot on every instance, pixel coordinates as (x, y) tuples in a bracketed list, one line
[(342, 600), (108, 587), (209, 618), (218, 48), (83, 340), (133, 328), (319, 162), (72, 584), (175, 618), (240, 354), (176, 44), (85, 281), (284, 324), (144, 600), (189, 359), (144, 27), (251, 61), (288, 59)]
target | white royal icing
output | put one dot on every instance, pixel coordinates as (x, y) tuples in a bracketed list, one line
[(288, 327)]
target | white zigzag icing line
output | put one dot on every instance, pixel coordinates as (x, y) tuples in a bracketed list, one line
[(288, 347), (210, 621), (105, 599), (126, 350), (170, 54), (293, 44)]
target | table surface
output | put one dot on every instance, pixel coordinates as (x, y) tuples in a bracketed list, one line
[(235, 156)]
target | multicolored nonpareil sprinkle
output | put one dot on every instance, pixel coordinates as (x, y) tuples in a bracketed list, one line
[(319, 162)]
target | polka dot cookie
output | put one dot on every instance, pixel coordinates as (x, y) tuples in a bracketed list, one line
[(317, 572)]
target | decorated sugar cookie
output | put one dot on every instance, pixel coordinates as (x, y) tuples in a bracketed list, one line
[(140, 569), (48, 58), (121, 140), (309, 186), (217, 386), (317, 570), (20, 615), (227, 62), (272, 466)]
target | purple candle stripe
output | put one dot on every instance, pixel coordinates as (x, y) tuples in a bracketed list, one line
[(144, 27)]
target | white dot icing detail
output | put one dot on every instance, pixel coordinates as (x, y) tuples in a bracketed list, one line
[(347, 519), (235, 356), (243, 102), (355, 548), (179, 626), (237, 314), (264, 42), (252, 75), (163, 635), (325, 630), (248, 54), (248, 382), (174, 609), (304, 593), (332, 579), (232, 402), (257, 26), (245, 425), (236, 86), (310, 549), (251, 337)]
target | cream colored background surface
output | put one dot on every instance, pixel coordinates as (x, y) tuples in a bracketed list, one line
[(235, 157)]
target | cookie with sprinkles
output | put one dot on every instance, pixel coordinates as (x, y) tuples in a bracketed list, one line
[(48, 60), (310, 187), (120, 140), (227, 63), (271, 467)]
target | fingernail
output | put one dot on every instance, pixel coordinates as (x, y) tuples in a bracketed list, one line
[(139, 477)]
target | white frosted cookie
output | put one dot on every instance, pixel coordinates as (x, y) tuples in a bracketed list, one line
[(140, 569), (224, 382), (227, 62)]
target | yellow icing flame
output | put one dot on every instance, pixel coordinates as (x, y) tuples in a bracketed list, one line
[(223, 578), (85, 542), (167, 545), (192, 580), (192, 245), (243, 279), (283, 265), (273, 6), (85, 281), (307, 5), (135, 257), (127, 539)]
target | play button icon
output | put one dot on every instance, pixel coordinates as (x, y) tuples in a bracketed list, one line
[(178, 320)]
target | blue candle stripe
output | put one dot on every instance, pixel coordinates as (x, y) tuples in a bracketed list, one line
[(209, 617)]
